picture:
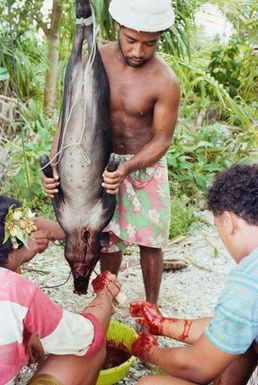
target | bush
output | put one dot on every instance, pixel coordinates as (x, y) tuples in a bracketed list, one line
[(22, 173), (195, 157), (182, 216)]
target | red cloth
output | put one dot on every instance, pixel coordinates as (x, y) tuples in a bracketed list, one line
[(99, 335)]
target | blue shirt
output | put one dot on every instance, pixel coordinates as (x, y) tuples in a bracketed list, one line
[(235, 322)]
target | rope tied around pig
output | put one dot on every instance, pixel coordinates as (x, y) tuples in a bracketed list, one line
[(82, 22)]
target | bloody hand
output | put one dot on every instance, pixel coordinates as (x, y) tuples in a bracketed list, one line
[(142, 345), (106, 281), (151, 317), (136, 308)]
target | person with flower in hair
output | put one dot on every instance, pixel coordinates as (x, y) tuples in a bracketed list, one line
[(19, 223), (74, 343), (222, 349)]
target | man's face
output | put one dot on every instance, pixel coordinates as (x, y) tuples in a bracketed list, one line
[(137, 47)]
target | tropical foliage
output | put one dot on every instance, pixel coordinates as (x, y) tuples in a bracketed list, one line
[(197, 156), (218, 86)]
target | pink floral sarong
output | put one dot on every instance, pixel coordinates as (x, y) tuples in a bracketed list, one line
[(142, 214)]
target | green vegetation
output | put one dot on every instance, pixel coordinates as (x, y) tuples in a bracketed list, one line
[(218, 113), (197, 156), (182, 216)]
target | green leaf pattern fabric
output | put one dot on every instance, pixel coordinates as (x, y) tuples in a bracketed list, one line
[(142, 214)]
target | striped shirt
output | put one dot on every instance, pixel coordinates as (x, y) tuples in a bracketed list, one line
[(26, 310), (235, 322)]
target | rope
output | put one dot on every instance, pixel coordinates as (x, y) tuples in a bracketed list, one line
[(58, 285), (82, 23), (17, 91)]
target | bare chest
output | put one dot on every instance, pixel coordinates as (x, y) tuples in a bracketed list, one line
[(132, 94)]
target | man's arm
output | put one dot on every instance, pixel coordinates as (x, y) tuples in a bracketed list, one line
[(107, 287), (200, 362), (184, 330), (53, 229), (50, 185), (62, 332), (164, 122)]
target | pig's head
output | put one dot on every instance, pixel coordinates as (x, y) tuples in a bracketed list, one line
[(82, 251)]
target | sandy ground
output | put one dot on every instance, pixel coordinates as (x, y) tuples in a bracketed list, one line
[(190, 293)]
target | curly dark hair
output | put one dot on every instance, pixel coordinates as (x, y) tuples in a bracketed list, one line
[(236, 190), (6, 247)]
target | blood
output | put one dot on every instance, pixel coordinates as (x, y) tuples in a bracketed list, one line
[(136, 308), (150, 316), (187, 327), (116, 355), (143, 344), (154, 320), (100, 282)]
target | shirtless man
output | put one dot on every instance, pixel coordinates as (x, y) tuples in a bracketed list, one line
[(144, 106)]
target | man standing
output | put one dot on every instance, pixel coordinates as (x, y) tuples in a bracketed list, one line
[(143, 108)]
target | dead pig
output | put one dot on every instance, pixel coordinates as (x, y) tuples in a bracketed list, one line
[(83, 208)]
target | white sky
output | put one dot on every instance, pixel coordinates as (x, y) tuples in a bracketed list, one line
[(214, 22)]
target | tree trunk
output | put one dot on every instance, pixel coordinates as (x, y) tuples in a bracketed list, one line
[(52, 36)]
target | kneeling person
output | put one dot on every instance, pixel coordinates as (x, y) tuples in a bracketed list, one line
[(223, 347), (75, 342)]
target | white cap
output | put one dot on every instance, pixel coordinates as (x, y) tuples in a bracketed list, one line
[(143, 15)]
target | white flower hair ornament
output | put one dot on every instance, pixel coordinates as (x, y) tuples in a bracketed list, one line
[(19, 225)]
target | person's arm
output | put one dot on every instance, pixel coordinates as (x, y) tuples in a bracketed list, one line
[(106, 286), (47, 230), (52, 228), (164, 122), (37, 243), (63, 332), (200, 362), (54, 147), (229, 334), (50, 185), (179, 329)]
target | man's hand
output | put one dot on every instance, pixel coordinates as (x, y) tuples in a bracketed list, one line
[(149, 316), (142, 345), (106, 282), (38, 242), (112, 180), (50, 185)]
